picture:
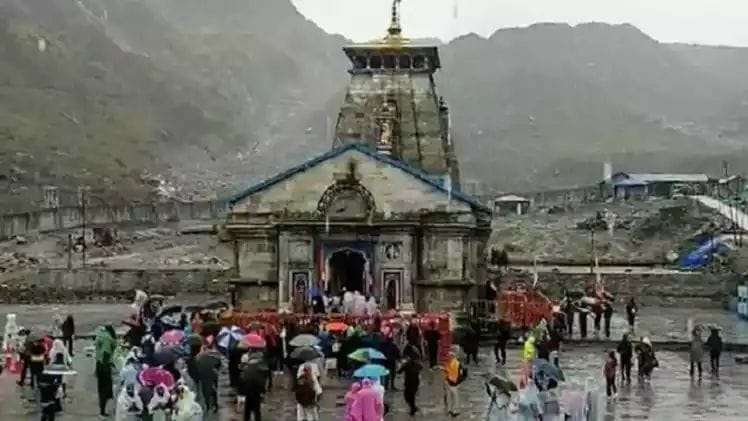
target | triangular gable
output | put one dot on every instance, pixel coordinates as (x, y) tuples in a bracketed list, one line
[(394, 165)]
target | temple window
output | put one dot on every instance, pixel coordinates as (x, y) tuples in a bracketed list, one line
[(389, 62), (419, 62), (359, 62), (375, 62), (405, 62)]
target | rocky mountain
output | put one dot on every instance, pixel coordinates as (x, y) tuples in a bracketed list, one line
[(206, 96)]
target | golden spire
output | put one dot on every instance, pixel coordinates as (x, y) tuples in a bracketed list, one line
[(395, 29)]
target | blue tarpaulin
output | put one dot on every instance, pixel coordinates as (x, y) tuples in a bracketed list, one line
[(703, 254)]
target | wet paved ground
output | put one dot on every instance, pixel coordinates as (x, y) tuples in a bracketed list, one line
[(670, 396)]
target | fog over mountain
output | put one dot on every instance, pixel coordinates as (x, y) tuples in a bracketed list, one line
[(209, 96)]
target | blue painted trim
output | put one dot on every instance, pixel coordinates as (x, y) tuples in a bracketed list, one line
[(420, 175)]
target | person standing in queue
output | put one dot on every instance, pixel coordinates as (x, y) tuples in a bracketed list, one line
[(607, 315), (583, 313), (503, 335), (697, 352), (626, 352), (714, 342), (569, 310), (631, 310), (68, 333), (432, 337)]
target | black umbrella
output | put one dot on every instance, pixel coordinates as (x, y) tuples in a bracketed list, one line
[(166, 356), (503, 384), (305, 354), (170, 310)]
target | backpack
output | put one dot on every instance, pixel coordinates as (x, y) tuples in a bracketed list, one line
[(462, 375), (306, 396)]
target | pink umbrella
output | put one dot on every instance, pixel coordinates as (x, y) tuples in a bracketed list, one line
[(253, 340), (154, 376), (172, 337)]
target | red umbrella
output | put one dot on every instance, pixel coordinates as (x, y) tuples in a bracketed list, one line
[(154, 376), (337, 327), (253, 340)]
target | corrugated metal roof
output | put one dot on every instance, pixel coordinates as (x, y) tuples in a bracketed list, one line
[(645, 178), (511, 198)]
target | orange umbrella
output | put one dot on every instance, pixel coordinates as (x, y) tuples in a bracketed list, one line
[(337, 327)]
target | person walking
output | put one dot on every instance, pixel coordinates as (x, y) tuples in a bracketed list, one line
[(307, 391), (609, 371), (471, 344), (369, 404), (454, 375), (411, 370), (68, 333), (350, 399), (696, 353), (207, 364), (392, 355), (252, 386), (50, 395), (626, 352), (432, 337), (714, 343), (607, 315), (503, 335), (105, 345), (499, 400), (631, 310), (37, 359)]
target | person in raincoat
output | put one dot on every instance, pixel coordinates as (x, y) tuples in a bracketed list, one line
[(369, 405), (452, 378), (499, 401), (696, 353), (646, 359), (160, 403), (530, 407), (411, 370), (350, 399), (529, 352), (307, 391), (59, 355), (129, 404), (105, 345), (252, 385), (185, 408)]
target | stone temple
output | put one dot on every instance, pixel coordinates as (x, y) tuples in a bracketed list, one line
[(380, 213)]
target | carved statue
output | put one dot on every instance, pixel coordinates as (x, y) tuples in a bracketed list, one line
[(385, 138)]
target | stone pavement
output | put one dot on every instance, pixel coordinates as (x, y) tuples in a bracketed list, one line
[(671, 395)]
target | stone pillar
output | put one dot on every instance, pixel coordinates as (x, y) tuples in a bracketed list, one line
[(51, 197), (284, 302)]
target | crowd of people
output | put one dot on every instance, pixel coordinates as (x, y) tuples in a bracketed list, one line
[(168, 366)]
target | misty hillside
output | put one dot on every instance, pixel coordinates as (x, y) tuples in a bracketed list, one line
[(211, 95)]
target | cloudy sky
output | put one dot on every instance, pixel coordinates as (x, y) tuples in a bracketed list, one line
[(716, 22)]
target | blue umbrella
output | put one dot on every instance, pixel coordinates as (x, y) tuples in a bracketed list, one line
[(229, 336), (366, 354), (545, 370), (371, 371)]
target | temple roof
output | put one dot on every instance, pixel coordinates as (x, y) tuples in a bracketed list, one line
[(416, 173)]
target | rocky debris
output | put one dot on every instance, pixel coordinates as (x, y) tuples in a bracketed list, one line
[(18, 260), (20, 240)]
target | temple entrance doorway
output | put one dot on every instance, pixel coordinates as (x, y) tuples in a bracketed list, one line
[(348, 272)]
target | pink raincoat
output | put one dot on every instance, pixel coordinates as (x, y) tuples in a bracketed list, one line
[(350, 399), (368, 405)]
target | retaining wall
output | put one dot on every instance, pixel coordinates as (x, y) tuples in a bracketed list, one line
[(72, 217), (62, 285)]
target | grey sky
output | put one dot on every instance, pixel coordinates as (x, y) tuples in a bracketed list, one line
[(694, 21)]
